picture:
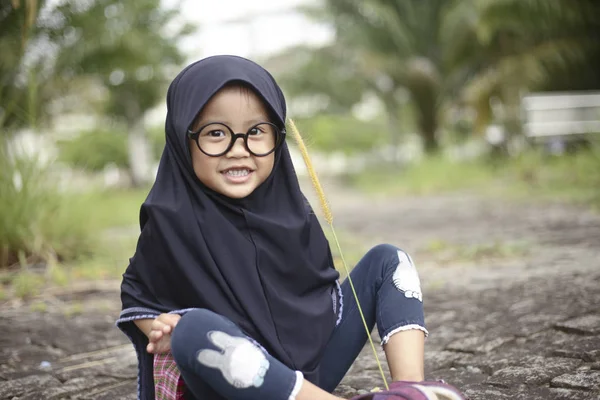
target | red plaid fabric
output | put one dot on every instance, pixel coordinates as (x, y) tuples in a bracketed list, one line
[(168, 383)]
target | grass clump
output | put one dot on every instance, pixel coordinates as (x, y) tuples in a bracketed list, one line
[(571, 177), (74, 309), (38, 306), (27, 284), (52, 237), (58, 276), (37, 221)]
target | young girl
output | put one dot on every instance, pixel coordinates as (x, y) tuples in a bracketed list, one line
[(231, 293)]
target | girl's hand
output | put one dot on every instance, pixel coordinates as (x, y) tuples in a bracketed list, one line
[(160, 333)]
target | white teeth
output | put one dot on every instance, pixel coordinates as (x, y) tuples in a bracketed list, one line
[(238, 172)]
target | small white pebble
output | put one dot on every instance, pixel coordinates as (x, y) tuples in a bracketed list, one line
[(45, 365)]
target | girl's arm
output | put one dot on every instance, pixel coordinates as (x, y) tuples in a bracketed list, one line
[(144, 325)]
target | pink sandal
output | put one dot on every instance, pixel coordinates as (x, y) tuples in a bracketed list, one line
[(432, 390)]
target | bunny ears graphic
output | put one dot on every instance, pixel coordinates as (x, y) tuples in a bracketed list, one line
[(241, 362)]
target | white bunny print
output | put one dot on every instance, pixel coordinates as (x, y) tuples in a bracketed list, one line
[(405, 277), (241, 362)]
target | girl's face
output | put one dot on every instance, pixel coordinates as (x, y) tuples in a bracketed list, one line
[(237, 173)]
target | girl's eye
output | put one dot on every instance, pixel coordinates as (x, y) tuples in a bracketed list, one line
[(215, 133), (255, 131)]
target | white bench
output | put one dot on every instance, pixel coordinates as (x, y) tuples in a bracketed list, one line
[(561, 114)]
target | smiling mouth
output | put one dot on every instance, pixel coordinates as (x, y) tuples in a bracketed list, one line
[(238, 172), (237, 175)]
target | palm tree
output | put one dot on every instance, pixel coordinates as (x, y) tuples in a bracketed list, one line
[(446, 52), (17, 26), (391, 45), (521, 45)]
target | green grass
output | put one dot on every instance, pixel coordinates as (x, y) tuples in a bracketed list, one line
[(111, 208), (570, 178), (38, 306), (433, 175), (73, 310), (57, 275), (443, 251), (27, 284), (67, 232), (108, 262), (37, 221), (40, 223)]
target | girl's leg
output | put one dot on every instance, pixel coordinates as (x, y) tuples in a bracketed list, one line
[(389, 292), (216, 358)]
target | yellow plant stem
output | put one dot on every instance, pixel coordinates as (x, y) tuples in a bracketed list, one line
[(329, 218), (362, 316)]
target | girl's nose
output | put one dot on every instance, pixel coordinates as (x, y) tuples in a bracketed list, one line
[(238, 149)]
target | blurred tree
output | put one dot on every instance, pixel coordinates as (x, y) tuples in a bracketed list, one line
[(339, 77), (448, 54), (342, 134), (521, 45), (17, 27), (119, 51), (129, 47), (109, 147), (388, 45)]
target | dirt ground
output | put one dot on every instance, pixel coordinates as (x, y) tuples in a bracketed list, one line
[(511, 294)]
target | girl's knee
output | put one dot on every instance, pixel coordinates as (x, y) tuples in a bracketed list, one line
[(192, 324), (384, 251), (398, 265), (389, 256), (196, 318)]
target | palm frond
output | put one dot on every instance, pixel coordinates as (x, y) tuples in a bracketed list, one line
[(531, 68)]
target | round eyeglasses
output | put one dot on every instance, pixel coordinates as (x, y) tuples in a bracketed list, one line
[(216, 139)]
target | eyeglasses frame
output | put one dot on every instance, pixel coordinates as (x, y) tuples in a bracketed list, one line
[(235, 136)]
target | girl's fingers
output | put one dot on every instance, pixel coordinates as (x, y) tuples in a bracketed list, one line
[(160, 347), (157, 325), (165, 347), (155, 335)]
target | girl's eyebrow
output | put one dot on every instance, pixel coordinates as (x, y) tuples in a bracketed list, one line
[(225, 121)]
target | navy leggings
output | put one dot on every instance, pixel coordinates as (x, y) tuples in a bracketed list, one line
[(211, 350)]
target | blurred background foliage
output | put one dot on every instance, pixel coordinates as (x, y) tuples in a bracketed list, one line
[(444, 56), (108, 63), (405, 93)]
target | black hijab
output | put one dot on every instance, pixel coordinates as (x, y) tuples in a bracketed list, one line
[(262, 261)]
